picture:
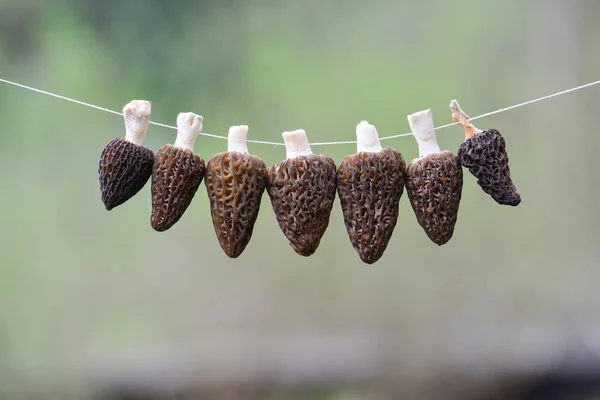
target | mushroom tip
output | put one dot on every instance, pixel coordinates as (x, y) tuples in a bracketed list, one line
[(138, 108), (367, 138), (189, 119), (294, 133), (296, 143), (420, 115), (236, 138), (238, 129)]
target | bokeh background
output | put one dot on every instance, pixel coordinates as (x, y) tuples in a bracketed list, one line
[(95, 304)]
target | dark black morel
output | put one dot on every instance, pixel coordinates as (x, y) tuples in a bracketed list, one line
[(484, 154), (125, 165), (370, 184), (302, 191), (235, 182)]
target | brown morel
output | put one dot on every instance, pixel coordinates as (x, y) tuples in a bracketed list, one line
[(484, 154), (235, 181), (125, 165), (370, 184), (302, 191), (433, 181), (176, 175)]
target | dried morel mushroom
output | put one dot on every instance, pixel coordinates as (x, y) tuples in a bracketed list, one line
[(302, 191), (176, 175), (370, 184), (484, 154), (125, 165), (433, 181), (235, 181)]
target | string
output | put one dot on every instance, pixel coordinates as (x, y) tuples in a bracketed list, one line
[(498, 111)]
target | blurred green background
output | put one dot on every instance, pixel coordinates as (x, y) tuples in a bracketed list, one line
[(92, 300)]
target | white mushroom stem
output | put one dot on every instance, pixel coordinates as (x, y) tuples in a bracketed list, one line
[(296, 143), (367, 138), (189, 126), (137, 116), (421, 125), (236, 139), (458, 115)]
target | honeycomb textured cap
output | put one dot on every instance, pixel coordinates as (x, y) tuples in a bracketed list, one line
[(484, 154), (369, 187), (235, 183), (176, 175), (434, 187), (302, 191), (123, 171)]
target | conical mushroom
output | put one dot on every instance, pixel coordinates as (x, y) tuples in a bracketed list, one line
[(370, 184), (433, 181), (302, 191), (125, 165), (235, 181), (484, 154), (176, 175)]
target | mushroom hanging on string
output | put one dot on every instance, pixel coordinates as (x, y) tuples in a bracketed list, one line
[(484, 154), (302, 191), (176, 175), (125, 165), (235, 181), (370, 184), (433, 181)]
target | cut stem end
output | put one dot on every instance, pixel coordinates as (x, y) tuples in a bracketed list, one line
[(236, 139), (136, 114), (189, 126), (458, 115), (296, 143), (421, 125), (367, 138)]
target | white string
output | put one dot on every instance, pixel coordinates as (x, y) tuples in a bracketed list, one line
[(501, 110)]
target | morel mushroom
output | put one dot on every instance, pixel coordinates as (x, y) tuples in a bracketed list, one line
[(433, 181), (125, 165), (235, 181), (302, 191), (370, 184), (484, 154), (176, 175)]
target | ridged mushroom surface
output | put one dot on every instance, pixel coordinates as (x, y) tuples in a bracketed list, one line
[(235, 183), (434, 187), (302, 191), (484, 154), (176, 176), (123, 171), (370, 185)]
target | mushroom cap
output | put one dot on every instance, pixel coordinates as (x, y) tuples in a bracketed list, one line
[(484, 154), (235, 183), (123, 170), (369, 186), (302, 191), (176, 175), (434, 187)]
